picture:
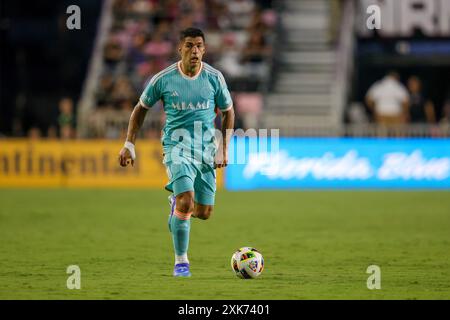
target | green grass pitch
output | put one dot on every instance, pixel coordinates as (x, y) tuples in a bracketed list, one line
[(316, 245)]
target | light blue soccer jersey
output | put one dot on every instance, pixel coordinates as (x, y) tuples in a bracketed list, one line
[(189, 104)]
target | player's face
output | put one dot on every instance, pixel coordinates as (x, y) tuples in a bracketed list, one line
[(192, 51)]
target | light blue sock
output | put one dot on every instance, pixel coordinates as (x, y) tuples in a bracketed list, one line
[(180, 234)]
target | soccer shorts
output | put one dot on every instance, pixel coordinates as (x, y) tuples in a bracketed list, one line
[(199, 178)]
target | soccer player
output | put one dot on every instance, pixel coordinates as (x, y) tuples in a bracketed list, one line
[(190, 91)]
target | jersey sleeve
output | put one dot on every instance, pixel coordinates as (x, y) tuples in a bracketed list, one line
[(152, 93), (223, 97)]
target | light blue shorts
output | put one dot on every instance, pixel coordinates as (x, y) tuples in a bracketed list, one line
[(199, 178)]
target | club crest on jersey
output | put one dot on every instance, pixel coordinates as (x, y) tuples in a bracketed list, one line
[(190, 106)]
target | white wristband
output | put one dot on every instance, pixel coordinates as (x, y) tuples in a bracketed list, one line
[(130, 147)]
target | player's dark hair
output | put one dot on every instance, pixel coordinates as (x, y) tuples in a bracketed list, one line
[(191, 32)]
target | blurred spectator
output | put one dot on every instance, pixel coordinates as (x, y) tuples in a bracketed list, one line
[(199, 13), (256, 48), (444, 122), (255, 53), (120, 7), (136, 52), (144, 71), (141, 7), (158, 47), (421, 109), (34, 133), (184, 21), (445, 119), (356, 113), (218, 17), (240, 12), (113, 53), (52, 132), (66, 119), (257, 22), (229, 62), (104, 90), (123, 90), (96, 121), (388, 100), (171, 9), (248, 106), (446, 114)]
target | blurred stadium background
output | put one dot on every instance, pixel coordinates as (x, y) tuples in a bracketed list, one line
[(306, 67), (301, 66)]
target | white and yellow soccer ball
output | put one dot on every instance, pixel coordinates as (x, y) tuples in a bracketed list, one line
[(247, 263)]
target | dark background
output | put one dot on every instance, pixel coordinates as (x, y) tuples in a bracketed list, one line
[(41, 60)]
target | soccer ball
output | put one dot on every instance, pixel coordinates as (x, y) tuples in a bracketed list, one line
[(247, 263)]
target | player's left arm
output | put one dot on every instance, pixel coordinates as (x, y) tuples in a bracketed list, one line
[(227, 132), (225, 103)]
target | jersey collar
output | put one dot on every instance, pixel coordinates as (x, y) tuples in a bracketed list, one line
[(186, 76)]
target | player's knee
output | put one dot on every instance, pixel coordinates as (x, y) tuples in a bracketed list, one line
[(185, 202), (205, 213)]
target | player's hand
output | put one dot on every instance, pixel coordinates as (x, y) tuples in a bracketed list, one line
[(125, 157), (221, 160)]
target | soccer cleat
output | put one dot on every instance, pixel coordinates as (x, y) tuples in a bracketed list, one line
[(181, 270), (171, 199)]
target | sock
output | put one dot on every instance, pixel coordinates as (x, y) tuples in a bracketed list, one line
[(180, 225), (181, 259)]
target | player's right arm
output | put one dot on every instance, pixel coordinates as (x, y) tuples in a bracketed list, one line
[(127, 155), (148, 98)]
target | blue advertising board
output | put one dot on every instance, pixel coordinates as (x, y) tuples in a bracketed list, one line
[(339, 163)]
